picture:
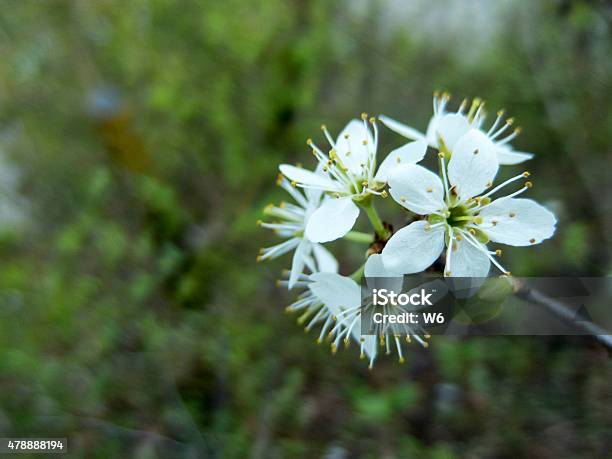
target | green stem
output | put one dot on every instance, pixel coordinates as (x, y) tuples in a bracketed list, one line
[(358, 236), (377, 223), (357, 275)]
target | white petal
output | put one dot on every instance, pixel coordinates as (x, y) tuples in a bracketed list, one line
[(352, 151), (468, 261), (313, 195), (413, 248), (410, 153), (417, 189), (451, 127), (473, 165), (332, 220), (335, 291), (517, 222), (308, 178), (325, 260), (339, 293), (374, 267), (375, 271), (297, 266), (401, 128), (507, 156)]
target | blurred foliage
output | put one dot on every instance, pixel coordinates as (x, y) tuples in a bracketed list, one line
[(133, 318)]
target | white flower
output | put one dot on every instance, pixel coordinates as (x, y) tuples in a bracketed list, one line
[(450, 126), (350, 309), (350, 175), (293, 221), (327, 295), (460, 217)]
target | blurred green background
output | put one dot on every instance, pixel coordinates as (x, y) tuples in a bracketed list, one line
[(139, 142)]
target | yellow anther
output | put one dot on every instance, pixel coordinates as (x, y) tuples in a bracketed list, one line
[(365, 142), (398, 160), (529, 184), (426, 336), (498, 252), (518, 130), (308, 141), (526, 174), (472, 231), (293, 183), (364, 116), (532, 240), (323, 127), (500, 112), (362, 355), (384, 194), (402, 360), (258, 259), (403, 198), (478, 220), (512, 214), (259, 222), (447, 273), (346, 136), (441, 155), (429, 189), (408, 340), (509, 121), (459, 237), (489, 184), (494, 222), (476, 151), (425, 344), (372, 120)]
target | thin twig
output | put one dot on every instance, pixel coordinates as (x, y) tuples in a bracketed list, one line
[(559, 309)]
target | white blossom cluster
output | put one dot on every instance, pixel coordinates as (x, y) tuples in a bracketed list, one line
[(457, 212)]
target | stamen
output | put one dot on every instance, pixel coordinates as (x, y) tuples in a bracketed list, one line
[(500, 115), (483, 248), (500, 131), (507, 139), (449, 250), (507, 182)]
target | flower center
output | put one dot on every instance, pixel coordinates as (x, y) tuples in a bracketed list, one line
[(459, 217)]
